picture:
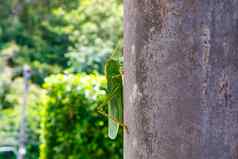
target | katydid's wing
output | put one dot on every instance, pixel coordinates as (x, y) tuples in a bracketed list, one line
[(114, 110), (114, 80)]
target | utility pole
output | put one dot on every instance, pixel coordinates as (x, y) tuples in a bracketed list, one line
[(181, 79), (23, 122)]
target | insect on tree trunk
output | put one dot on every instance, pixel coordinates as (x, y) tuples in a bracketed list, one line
[(181, 79)]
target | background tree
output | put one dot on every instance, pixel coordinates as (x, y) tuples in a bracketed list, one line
[(53, 36)]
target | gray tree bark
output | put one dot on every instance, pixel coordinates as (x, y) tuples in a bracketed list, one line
[(181, 79)]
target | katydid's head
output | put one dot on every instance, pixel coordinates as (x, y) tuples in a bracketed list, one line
[(112, 68), (117, 53)]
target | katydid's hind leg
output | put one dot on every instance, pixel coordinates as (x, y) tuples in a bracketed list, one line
[(108, 99), (100, 109), (114, 119)]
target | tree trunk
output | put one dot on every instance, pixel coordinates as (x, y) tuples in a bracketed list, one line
[(181, 79)]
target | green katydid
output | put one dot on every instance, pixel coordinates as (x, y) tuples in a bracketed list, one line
[(114, 98)]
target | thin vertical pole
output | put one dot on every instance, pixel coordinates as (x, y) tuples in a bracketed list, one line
[(23, 122)]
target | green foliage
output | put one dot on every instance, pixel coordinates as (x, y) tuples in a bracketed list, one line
[(76, 34), (23, 23), (4, 91), (95, 28), (5, 76), (72, 128), (54, 36), (7, 155)]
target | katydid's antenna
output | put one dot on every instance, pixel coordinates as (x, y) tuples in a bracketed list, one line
[(23, 124), (115, 50)]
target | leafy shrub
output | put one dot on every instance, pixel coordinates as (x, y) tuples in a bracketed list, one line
[(71, 127)]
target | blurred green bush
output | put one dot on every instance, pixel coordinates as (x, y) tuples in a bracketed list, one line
[(71, 126)]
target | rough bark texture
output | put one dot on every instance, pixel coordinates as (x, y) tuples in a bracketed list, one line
[(181, 79)]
